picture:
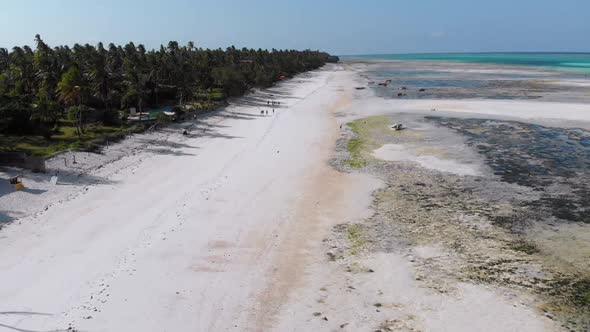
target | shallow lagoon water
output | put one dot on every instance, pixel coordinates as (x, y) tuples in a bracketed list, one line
[(455, 80), (572, 62)]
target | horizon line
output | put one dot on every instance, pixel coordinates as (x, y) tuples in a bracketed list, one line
[(478, 52)]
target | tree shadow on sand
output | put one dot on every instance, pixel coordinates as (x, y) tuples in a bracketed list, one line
[(26, 313), (71, 176), (258, 102), (33, 191), (209, 125), (239, 116), (169, 152), (211, 134), (81, 178), (273, 92), (6, 188), (248, 114), (6, 217), (166, 144), (14, 328)]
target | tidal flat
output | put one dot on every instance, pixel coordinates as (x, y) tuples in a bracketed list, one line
[(508, 221)]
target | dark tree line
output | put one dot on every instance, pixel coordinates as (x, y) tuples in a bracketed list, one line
[(40, 86)]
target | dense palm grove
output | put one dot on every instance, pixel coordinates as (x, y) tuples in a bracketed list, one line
[(43, 87)]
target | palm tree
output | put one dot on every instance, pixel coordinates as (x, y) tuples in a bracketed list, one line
[(4, 59), (46, 112), (101, 78), (33, 81), (69, 91), (23, 72)]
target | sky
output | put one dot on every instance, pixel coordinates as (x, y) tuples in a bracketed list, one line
[(341, 27)]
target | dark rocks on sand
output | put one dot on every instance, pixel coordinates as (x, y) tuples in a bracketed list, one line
[(398, 126)]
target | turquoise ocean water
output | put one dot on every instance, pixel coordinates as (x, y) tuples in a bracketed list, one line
[(571, 62)]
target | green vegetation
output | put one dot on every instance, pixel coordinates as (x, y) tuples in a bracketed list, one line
[(582, 292), (64, 138), (62, 97), (356, 238), (362, 144), (524, 246), (207, 99), (570, 298), (354, 147)]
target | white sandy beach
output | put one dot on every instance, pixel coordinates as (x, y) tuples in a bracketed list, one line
[(180, 240), (223, 230)]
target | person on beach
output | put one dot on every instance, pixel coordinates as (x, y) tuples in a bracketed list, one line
[(273, 111)]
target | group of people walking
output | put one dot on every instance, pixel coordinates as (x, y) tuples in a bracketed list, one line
[(265, 112), (270, 102)]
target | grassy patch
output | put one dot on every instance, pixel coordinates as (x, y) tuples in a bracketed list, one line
[(356, 238), (571, 293), (204, 105), (526, 247), (582, 292), (64, 139), (363, 142), (216, 94), (208, 99), (355, 146)]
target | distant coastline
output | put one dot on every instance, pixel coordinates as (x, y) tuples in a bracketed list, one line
[(563, 61)]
